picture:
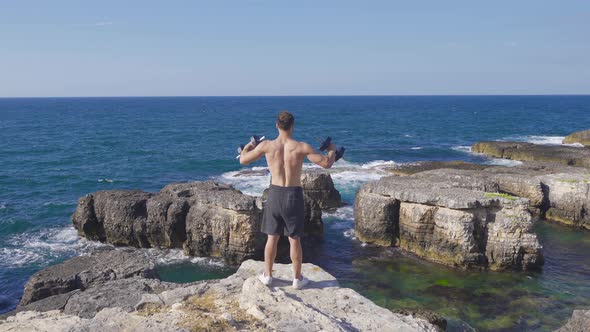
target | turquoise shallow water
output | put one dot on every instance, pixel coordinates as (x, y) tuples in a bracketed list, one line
[(53, 151)]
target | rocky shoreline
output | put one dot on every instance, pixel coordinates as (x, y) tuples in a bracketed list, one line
[(467, 216), (127, 295)]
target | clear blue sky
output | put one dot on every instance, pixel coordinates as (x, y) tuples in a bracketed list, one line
[(203, 48)]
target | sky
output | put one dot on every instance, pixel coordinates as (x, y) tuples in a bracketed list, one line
[(264, 48)]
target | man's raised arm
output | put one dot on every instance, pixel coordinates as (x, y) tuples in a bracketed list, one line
[(251, 153), (319, 159)]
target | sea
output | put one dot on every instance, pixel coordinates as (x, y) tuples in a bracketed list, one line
[(55, 150)]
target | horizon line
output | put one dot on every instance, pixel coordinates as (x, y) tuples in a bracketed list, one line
[(318, 95)]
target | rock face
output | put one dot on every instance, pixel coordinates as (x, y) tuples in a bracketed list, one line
[(448, 219), (239, 302), (221, 221), (582, 137), (567, 155), (319, 187), (204, 218), (556, 192), (83, 272), (580, 321)]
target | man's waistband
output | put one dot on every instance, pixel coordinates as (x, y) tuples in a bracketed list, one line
[(281, 188)]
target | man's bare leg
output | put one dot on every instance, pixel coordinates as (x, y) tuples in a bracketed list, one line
[(270, 253), (296, 256)]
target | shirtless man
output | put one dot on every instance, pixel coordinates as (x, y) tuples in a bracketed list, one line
[(284, 211)]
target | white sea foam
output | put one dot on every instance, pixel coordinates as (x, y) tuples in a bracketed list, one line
[(503, 162), (2, 206), (349, 233), (105, 180), (462, 148), (343, 213), (417, 148), (249, 183), (346, 175), (176, 256), (43, 246), (539, 139)]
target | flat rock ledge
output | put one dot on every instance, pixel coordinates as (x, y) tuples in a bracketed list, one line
[(579, 322), (204, 218), (237, 303), (566, 155), (556, 192), (446, 217), (581, 137)]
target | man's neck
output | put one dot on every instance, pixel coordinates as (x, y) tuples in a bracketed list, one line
[(283, 135)]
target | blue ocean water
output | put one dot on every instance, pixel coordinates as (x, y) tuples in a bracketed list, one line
[(54, 150)]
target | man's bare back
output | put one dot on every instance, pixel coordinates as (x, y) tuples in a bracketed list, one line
[(284, 210), (285, 157)]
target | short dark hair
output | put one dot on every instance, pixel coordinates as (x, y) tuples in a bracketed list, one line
[(285, 120)]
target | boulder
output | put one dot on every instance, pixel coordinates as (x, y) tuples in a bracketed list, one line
[(581, 137), (83, 272), (221, 221), (567, 155), (580, 321), (319, 187), (204, 218), (115, 216), (448, 219)]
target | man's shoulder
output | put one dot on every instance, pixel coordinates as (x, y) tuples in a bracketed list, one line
[(303, 146)]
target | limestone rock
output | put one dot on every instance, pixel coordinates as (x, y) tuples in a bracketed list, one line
[(447, 217), (204, 218), (114, 216), (567, 155), (239, 301), (121, 293), (582, 137), (323, 306), (556, 192), (579, 322), (319, 187), (86, 271)]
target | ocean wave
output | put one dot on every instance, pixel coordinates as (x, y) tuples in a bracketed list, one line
[(540, 139), (106, 180), (2, 206), (503, 162), (177, 256), (416, 148), (343, 213), (349, 233), (45, 246), (462, 148), (346, 175)]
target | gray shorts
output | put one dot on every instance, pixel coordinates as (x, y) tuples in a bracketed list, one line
[(284, 211)]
